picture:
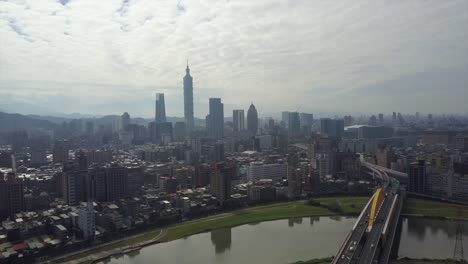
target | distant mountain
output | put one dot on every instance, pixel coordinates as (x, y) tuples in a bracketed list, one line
[(11, 122)]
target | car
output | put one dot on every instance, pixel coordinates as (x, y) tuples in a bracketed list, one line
[(342, 256), (351, 248), (371, 245), (354, 242)]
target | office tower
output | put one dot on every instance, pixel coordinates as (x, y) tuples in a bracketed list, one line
[(188, 100), (294, 123), (124, 121), (394, 117), (252, 120), (417, 177), (381, 121), (215, 119), (110, 182), (238, 120), (220, 181), (285, 118), (332, 127), (160, 114), (179, 131), (60, 152)]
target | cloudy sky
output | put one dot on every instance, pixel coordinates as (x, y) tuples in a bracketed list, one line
[(106, 57)]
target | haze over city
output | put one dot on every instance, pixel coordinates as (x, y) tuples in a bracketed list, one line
[(107, 57)]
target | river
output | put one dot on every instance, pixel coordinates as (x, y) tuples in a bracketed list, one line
[(289, 240)]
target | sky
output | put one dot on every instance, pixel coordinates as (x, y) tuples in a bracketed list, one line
[(318, 56)]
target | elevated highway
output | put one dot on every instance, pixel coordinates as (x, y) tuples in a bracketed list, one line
[(378, 219)]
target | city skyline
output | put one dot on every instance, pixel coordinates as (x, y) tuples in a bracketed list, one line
[(312, 60)]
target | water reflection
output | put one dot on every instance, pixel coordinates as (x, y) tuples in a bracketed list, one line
[(292, 221), (429, 238), (221, 239), (314, 219), (290, 240)]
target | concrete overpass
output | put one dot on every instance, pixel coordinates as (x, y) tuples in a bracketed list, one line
[(371, 238)]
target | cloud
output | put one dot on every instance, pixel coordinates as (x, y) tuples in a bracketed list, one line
[(280, 54)]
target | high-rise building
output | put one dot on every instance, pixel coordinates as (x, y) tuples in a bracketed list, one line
[(285, 118), (215, 119), (252, 120), (417, 176), (160, 111), (188, 100), (87, 220), (74, 184), (220, 181), (259, 170), (381, 120), (294, 123), (110, 182), (306, 119), (238, 120), (89, 128), (373, 120), (11, 195), (179, 131), (60, 152), (124, 121), (332, 127)]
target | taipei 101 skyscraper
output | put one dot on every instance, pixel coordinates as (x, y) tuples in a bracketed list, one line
[(188, 100)]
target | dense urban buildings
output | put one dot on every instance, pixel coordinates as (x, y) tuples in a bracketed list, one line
[(84, 181)]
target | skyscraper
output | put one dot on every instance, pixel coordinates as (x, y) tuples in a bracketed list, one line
[(252, 120), (238, 120), (188, 100), (160, 114), (294, 123), (124, 121), (215, 119)]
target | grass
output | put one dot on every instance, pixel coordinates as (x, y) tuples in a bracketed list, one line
[(127, 242), (427, 208), (350, 206)]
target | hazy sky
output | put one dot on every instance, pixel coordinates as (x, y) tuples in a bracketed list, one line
[(106, 57)]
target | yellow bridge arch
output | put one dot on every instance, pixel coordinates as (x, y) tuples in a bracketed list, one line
[(376, 204)]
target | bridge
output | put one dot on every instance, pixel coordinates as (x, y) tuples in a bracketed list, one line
[(371, 238)]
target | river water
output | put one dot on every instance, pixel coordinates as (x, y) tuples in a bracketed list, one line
[(286, 241)]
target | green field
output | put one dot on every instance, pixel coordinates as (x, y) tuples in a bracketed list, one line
[(349, 205), (426, 208)]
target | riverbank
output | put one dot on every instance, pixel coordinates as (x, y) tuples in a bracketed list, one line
[(348, 206), (415, 207)]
